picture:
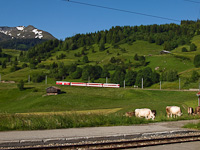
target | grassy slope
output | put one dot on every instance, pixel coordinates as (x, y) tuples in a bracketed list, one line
[(85, 98), (151, 51), (78, 98)]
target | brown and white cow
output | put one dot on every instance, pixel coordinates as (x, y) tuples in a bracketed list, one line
[(144, 112), (197, 110), (173, 111), (129, 114), (154, 112), (190, 111)]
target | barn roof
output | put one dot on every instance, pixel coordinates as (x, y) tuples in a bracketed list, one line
[(198, 94), (54, 87)]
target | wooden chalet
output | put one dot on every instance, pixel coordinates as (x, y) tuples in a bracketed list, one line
[(53, 90)]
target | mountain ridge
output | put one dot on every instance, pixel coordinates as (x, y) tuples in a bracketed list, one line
[(22, 37), (23, 32)]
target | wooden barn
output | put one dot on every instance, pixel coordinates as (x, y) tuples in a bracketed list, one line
[(53, 90)]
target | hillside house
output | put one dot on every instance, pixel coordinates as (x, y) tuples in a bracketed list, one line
[(53, 90), (165, 52)]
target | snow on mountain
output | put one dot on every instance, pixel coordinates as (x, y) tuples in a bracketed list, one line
[(22, 32), (20, 28), (37, 33)]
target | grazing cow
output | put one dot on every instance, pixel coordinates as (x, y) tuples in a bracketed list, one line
[(154, 112), (130, 114), (190, 111), (173, 110), (144, 112), (197, 110)]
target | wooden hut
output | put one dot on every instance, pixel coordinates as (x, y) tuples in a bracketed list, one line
[(53, 90)]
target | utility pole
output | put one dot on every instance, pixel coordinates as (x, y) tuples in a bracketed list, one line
[(29, 78), (106, 79), (142, 83), (124, 84), (160, 85), (199, 86), (46, 80)]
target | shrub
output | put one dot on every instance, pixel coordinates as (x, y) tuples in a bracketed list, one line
[(197, 61), (184, 49), (38, 77), (195, 76), (170, 75), (85, 59), (24, 65), (21, 85), (193, 47)]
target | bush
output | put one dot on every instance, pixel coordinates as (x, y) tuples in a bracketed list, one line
[(184, 49), (14, 68), (170, 75), (85, 59), (193, 47), (197, 61), (21, 85), (24, 65), (38, 77), (195, 76)]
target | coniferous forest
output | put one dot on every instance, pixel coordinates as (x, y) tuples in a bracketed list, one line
[(169, 36)]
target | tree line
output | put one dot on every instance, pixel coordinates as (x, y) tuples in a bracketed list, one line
[(20, 44), (169, 36), (59, 71)]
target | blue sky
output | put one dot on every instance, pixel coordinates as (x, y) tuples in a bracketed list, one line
[(65, 19)]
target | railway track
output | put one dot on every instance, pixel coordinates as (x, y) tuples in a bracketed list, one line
[(113, 142)]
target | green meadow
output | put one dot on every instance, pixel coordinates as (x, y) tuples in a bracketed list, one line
[(33, 99), (84, 106), (89, 106)]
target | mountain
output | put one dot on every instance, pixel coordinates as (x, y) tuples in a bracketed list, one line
[(22, 38), (22, 32)]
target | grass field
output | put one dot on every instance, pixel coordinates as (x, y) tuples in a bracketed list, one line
[(88, 98), (84, 106), (193, 126), (31, 109)]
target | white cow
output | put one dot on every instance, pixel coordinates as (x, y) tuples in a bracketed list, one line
[(173, 110), (144, 112)]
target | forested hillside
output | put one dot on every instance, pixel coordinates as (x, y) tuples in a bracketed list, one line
[(170, 36), (120, 53)]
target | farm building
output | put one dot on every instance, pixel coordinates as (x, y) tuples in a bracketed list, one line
[(165, 52), (53, 90)]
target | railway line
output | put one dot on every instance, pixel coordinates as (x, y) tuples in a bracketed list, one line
[(112, 142)]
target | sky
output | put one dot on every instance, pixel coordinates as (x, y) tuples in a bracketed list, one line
[(65, 19)]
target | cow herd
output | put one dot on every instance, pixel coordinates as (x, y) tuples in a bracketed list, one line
[(171, 111), (192, 112)]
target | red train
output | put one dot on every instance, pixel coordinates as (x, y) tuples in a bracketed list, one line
[(111, 85)]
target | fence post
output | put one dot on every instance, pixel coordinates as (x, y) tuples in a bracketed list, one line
[(46, 80), (29, 78), (160, 85)]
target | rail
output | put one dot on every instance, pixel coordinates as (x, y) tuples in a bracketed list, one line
[(114, 142)]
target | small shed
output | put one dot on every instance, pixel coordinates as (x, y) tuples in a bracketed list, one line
[(198, 94), (165, 52), (53, 90)]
